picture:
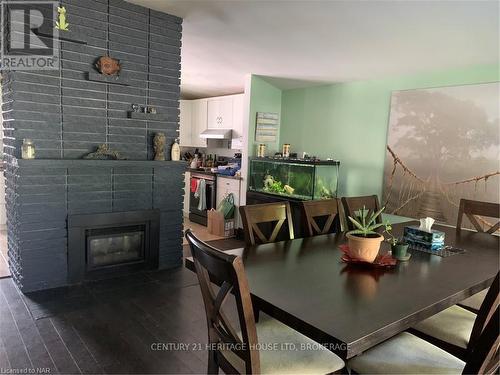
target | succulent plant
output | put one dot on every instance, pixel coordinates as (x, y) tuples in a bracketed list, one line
[(364, 221)]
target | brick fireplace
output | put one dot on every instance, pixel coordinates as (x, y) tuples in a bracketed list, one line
[(68, 113)]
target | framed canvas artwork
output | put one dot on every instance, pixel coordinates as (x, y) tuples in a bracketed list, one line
[(443, 145)]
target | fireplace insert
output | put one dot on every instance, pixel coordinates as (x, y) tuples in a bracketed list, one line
[(112, 244)]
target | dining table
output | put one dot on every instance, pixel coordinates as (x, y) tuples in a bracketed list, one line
[(349, 308)]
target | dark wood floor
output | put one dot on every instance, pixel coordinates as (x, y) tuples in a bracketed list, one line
[(111, 326)]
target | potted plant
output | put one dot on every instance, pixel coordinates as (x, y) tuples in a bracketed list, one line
[(364, 242), (399, 247)]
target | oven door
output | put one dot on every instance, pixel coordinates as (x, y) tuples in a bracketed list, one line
[(195, 214)]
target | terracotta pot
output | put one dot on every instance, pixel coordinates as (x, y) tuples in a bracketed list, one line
[(364, 248)]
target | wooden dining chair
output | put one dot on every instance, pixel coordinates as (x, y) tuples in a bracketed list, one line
[(409, 354), (475, 211), (456, 329), (353, 204), (237, 351), (321, 216), (264, 223)]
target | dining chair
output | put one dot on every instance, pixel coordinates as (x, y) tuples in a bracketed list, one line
[(456, 329), (475, 210), (321, 216), (264, 223), (238, 351), (408, 354), (353, 204)]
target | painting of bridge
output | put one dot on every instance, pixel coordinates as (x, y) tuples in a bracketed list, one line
[(443, 145)]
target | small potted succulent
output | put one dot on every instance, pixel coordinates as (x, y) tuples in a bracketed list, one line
[(364, 242), (399, 247)]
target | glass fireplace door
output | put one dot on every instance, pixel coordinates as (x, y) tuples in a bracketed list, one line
[(115, 246)]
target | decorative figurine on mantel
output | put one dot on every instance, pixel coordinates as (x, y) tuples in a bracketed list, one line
[(159, 142), (108, 66), (104, 153)]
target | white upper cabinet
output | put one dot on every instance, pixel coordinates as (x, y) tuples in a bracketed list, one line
[(199, 122), (192, 121), (220, 113), (196, 116), (185, 122)]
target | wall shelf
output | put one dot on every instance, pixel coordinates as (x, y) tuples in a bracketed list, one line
[(114, 80), (146, 116), (65, 36)]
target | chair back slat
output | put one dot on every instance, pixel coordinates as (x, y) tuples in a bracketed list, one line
[(476, 211), (483, 359), (227, 271), (353, 204), (326, 209), (274, 215)]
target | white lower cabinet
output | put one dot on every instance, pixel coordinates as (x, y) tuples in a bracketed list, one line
[(224, 187)]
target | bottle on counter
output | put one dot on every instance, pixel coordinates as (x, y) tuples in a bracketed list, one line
[(194, 162), (175, 152)]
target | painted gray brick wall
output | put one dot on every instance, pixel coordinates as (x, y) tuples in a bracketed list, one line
[(42, 193), (67, 116)]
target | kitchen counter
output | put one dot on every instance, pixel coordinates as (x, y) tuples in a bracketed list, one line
[(201, 171)]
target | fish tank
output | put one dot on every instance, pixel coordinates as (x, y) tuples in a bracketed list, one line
[(300, 179)]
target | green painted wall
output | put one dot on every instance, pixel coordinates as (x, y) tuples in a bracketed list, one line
[(348, 121), (264, 97)]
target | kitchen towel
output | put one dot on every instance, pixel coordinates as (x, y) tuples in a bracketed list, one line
[(201, 194), (194, 185)]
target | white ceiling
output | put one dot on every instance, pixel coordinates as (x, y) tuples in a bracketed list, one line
[(302, 43)]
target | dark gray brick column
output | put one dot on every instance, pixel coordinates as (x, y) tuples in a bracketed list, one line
[(67, 116)]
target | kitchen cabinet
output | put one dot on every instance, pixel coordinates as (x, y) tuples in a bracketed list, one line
[(224, 187), (225, 112), (192, 121), (199, 122), (220, 113), (185, 122)]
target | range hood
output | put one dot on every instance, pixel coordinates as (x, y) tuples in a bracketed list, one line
[(217, 134)]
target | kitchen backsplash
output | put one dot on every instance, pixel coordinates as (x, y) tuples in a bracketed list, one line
[(210, 150)]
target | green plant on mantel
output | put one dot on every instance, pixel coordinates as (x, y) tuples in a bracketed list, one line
[(365, 222)]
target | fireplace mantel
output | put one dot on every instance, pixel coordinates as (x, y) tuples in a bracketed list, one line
[(66, 163)]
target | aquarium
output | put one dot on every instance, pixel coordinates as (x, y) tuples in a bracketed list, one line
[(294, 178)]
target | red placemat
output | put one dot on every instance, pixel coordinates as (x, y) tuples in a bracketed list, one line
[(382, 260)]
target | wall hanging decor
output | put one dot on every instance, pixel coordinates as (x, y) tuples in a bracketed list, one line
[(266, 127), (443, 145), (108, 66), (61, 23)]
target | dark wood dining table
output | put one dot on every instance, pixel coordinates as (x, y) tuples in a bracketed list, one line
[(351, 308)]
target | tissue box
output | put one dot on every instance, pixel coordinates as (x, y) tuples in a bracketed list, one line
[(431, 241)]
